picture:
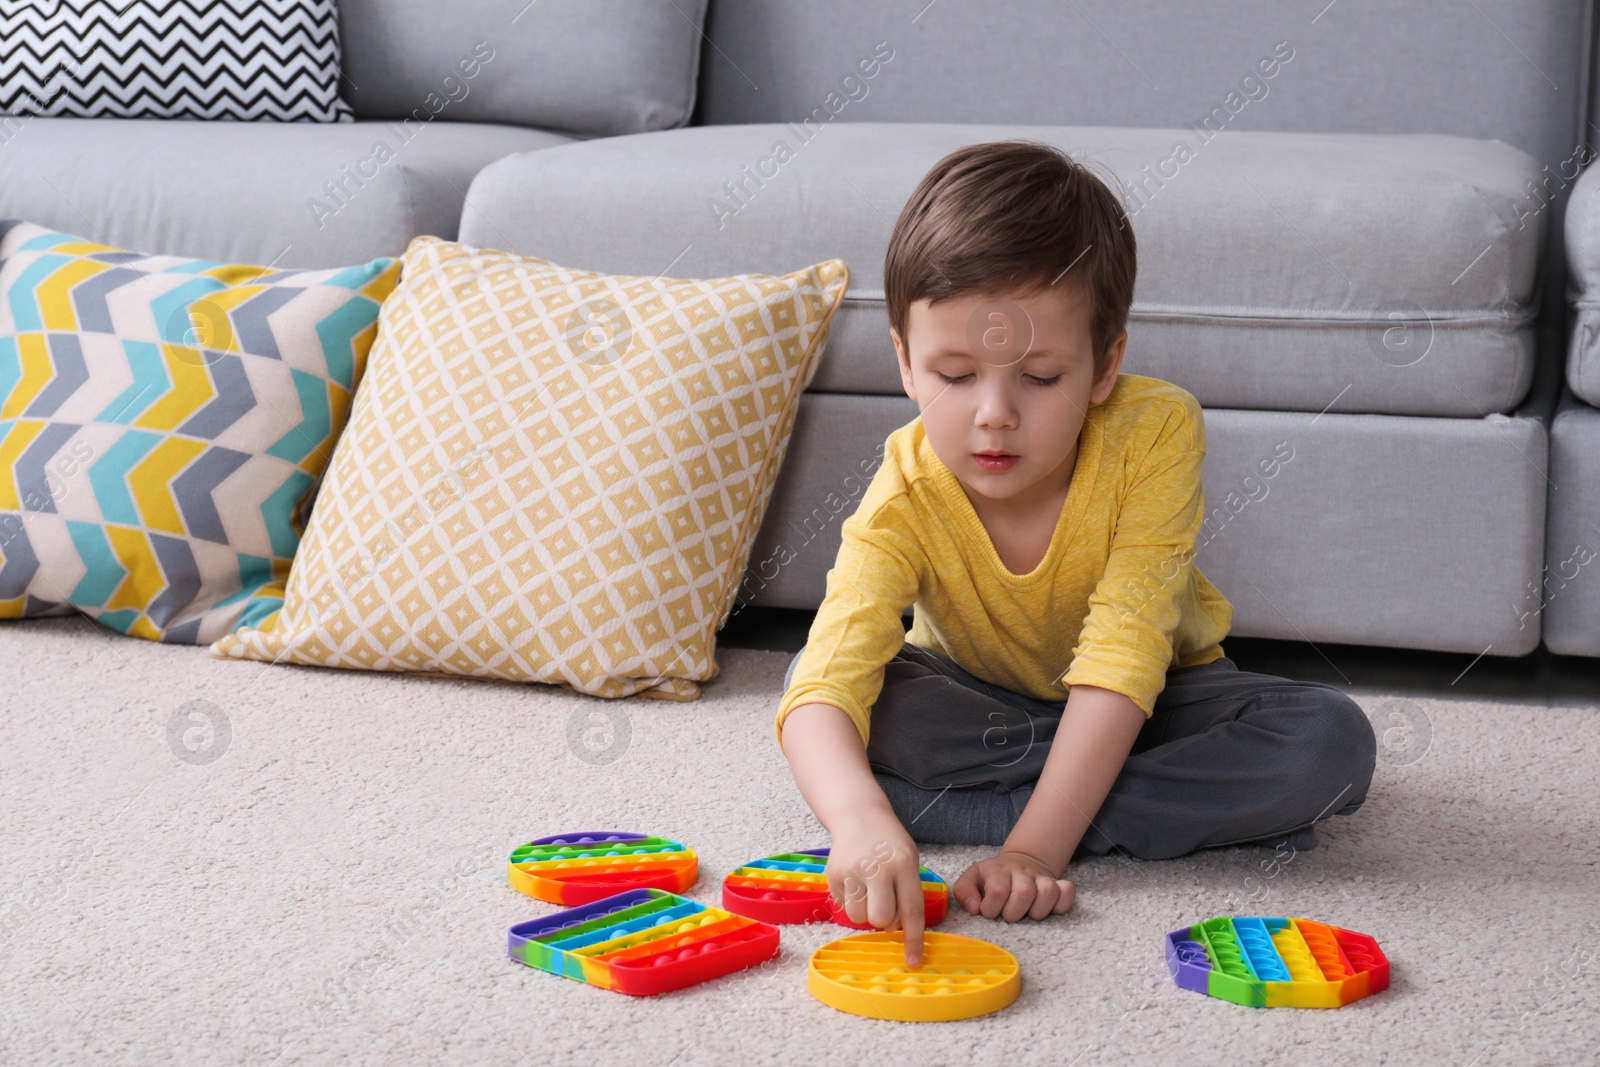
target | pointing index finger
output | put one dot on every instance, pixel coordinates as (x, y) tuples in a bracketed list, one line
[(911, 915)]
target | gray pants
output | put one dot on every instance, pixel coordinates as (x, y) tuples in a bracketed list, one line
[(1227, 757)]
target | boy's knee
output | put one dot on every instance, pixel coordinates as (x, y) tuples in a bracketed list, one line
[(1342, 747), (949, 816)]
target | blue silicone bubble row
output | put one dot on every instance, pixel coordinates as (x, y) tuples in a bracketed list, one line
[(782, 865), (822, 859), (629, 926), (1260, 951)]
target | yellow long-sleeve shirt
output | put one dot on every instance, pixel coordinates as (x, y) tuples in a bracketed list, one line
[(1116, 601)]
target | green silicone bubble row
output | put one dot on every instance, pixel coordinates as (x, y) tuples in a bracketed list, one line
[(531, 853), (1225, 948)]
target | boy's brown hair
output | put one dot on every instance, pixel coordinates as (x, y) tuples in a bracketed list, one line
[(1012, 216)]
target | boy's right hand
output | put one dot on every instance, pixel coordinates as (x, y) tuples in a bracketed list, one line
[(874, 873)]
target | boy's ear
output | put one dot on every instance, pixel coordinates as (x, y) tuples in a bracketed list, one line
[(904, 359), (1108, 374)]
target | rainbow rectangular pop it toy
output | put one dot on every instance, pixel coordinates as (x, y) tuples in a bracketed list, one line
[(1276, 963), (642, 942)]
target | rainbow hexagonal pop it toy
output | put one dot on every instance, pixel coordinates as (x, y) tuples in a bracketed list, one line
[(1276, 963), (578, 867), (642, 942), (866, 974), (791, 887)]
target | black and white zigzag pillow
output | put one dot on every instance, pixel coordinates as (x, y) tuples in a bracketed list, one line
[(195, 59)]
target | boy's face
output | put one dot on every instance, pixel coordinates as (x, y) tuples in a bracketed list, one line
[(1005, 382)]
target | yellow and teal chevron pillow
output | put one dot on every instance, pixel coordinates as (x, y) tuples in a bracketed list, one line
[(163, 424)]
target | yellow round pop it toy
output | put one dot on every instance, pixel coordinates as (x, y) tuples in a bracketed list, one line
[(960, 977)]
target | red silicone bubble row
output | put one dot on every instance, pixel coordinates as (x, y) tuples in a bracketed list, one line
[(673, 955), (1358, 954)]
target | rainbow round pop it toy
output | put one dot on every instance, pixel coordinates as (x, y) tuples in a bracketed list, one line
[(642, 942), (791, 887), (866, 974), (1277, 963), (578, 867)]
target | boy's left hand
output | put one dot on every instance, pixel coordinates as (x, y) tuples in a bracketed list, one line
[(1011, 885)]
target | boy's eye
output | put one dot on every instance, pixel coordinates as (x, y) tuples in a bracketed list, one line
[(1037, 381)]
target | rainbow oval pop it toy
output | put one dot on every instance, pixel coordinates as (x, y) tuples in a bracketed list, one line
[(866, 974), (585, 865), (791, 887), (1277, 963), (642, 942)]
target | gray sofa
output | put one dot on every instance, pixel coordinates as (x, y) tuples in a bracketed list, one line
[(1357, 263), (324, 195), (1570, 585)]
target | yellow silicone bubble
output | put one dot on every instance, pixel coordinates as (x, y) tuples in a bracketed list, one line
[(990, 977)]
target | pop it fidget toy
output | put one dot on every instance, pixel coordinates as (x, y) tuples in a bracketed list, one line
[(1277, 963), (790, 887), (866, 974), (642, 942), (579, 867)]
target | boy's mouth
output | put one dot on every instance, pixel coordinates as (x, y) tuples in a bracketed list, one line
[(994, 460)]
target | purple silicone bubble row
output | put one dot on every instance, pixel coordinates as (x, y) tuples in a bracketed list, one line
[(1193, 953), (1188, 961), (587, 837), (564, 920)]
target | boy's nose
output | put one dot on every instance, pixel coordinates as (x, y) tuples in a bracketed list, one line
[(996, 409)]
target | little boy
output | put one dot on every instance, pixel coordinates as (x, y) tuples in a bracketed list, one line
[(1063, 689)]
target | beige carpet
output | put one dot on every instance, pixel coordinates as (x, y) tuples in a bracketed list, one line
[(331, 887)]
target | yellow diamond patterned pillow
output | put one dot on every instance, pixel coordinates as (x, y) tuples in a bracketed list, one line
[(551, 475)]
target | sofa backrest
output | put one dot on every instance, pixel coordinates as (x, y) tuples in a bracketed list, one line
[(587, 67), (1507, 70)]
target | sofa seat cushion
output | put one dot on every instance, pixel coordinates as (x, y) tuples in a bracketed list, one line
[(307, 195), (1278, 271)]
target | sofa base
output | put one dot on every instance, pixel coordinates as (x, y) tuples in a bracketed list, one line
[(1399, 531), (1571, 579)]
